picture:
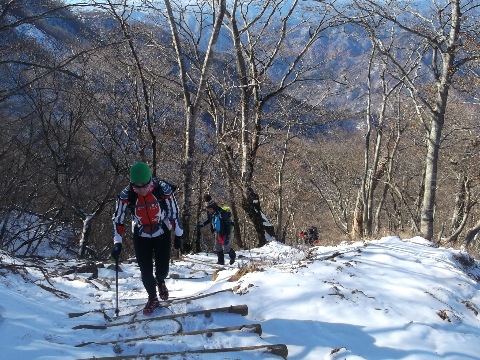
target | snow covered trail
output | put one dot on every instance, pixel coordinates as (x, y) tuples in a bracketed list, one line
[(56, 316), (374, 300)]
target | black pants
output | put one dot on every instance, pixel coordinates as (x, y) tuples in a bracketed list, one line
[(145, 250)]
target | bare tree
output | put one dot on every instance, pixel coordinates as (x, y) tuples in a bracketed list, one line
[(122, 12), (375, 162), (258, 48), (69, 161), (334, 173), (19, 54), (443, 36)]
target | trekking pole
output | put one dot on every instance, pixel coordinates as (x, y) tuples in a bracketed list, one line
[(116, 286)]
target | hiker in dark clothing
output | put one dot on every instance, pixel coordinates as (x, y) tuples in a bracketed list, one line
[(154, 210), (309, 236), (221, 225), (313, 234)]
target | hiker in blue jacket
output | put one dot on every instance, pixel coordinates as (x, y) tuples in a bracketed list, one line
[(221, 225)]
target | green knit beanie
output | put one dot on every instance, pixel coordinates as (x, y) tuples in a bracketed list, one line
[(140, 173)]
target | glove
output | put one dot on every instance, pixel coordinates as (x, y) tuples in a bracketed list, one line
[(117, 249), (177, 242)]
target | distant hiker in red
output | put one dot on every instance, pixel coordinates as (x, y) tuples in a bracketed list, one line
[(301, 235), (154, 210), (310, 236), (221, 225)]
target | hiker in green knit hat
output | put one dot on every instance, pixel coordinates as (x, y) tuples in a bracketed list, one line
[(140, 173), (154, 212)]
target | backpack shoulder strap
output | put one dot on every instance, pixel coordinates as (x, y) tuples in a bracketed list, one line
[(132, 197)]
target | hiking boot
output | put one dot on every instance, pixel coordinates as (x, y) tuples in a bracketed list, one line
[(233, 255), (221, 258), (151, 305), (163, 291)]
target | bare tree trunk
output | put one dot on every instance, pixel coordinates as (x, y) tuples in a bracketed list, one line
[(253, 63), (459, 207), (198, 235), (233, 205), (361, 206), (466, 206), (448, 56), (86, 228), (431, 171), (280, 202), (471, 234), (3, 229), (87, 220), (389, 175), (418, 205), (357, 223), (249, 141), (280, 171), (373, 168), (437, 121), (263, 228)]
